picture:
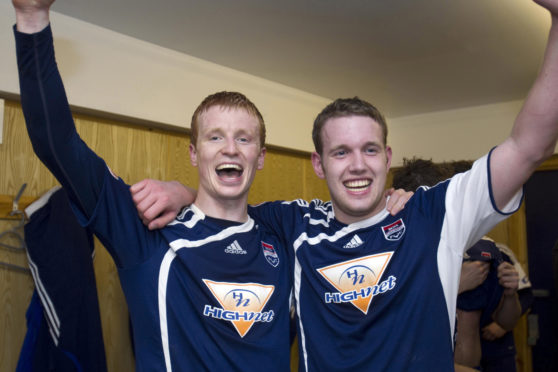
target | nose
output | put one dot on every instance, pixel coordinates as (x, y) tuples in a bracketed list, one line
[(357, 164), (229, 147)]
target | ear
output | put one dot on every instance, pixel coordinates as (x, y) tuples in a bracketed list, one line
[(317, 164), (388, 156), (261, 158), (193, 155)]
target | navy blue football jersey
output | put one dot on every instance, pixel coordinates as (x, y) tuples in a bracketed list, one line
[(63, 320), (200, 296), (380, 294)]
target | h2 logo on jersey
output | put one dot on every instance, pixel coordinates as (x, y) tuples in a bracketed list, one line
[(242, 303), (358, 280)]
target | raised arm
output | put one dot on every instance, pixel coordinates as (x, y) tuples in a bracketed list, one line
[(535, 130), (47, 113)]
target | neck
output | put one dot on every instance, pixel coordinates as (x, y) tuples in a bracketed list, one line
[(357, 216), (226, 209)]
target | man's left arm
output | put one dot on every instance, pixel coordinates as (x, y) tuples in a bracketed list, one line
[(535, 131)]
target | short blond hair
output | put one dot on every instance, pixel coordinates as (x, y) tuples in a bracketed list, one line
[(227, 100)]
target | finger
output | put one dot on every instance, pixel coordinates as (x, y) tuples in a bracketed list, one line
[(156, 208), (162, 220), (138, 186), (139, 196), (398, 200), (145, 206), (388, 194), (393, 206)]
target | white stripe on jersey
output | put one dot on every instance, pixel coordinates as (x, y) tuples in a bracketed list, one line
[(339, 233), (48, 306), (312, 221), (185, 243), (162, 290), (196, 217), (296, 284)]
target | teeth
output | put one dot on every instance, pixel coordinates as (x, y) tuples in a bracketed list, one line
[(357, 184), (229, 166)]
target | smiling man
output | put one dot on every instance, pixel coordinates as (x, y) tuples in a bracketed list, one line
[(211, 290), (376, 292)]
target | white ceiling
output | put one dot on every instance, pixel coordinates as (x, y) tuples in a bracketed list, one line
[(405, 56)]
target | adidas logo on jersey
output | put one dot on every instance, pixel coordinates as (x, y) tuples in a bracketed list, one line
[(235, 248), (355, 242)]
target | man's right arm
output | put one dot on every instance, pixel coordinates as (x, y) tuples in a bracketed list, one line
[(159, 202), (47, 114)]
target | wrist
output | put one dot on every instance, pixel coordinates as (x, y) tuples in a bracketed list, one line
[(510, 292), (32, 21)]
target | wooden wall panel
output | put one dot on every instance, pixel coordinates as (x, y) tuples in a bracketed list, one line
[(18, 162), (16, 289), (314, 187), (280, 179), (178, 165)]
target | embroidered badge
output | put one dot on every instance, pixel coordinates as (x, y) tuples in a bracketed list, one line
[(270, 254), (394, 231)]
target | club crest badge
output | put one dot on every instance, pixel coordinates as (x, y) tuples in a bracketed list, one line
[(270, 254), (394, 231)]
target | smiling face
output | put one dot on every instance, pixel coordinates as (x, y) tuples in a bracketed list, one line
[(354, 161), (227, 153)]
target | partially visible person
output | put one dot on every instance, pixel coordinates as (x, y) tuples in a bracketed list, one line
[(497, 342), (417, 172), (495, 300)]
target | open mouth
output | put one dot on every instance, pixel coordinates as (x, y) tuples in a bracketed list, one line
[(357, 185), (229, 170)]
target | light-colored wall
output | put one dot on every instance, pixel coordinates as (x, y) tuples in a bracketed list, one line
[(467, 133), (112, 73)]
